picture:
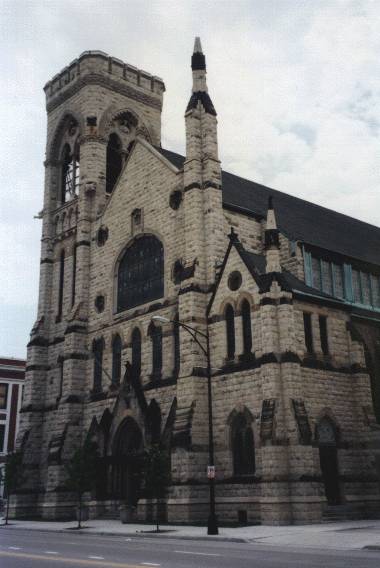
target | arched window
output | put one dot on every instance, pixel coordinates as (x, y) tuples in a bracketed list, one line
[(116, 359), (70, 173), (243, 447), (114, 162), (97, 350), (230, 331), (136, 352), (153, 423), (141, 273), (61, 283), (247, 330), (155, 333)]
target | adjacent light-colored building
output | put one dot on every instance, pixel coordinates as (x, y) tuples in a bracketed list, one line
[(12, 375), (288, 291)]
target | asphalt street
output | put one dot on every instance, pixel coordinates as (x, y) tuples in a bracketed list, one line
[(32, 549)]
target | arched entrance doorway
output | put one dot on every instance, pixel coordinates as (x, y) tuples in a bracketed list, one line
[(126, 462), (328, 458)]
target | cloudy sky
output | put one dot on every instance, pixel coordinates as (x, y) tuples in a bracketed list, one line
[(296, 84)]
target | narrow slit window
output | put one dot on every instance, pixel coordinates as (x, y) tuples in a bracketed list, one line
[(323, 334), (308, 332), (230, 331)]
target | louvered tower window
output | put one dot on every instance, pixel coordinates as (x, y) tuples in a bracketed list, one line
[(114, 162), (70, 173)]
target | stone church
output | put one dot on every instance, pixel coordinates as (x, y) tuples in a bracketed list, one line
[(150, 261)]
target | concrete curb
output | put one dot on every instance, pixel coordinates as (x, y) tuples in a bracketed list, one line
[(129, 534)]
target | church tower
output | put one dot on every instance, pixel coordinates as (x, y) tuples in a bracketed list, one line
[(96, 107)]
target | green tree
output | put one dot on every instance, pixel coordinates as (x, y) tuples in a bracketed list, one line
[(157, 476), (12, 477), (81, 472)]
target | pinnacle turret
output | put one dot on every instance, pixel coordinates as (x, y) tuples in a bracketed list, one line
[(272, 240)]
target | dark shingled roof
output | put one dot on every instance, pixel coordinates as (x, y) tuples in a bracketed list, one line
[(299, 219)]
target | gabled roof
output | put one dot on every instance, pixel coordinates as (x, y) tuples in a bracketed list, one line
[(299, 219)]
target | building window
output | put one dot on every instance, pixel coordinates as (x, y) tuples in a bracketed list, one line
[(70, 173), (97, 349), (308, 332), (141, 273), (116, 359), (2, 438), (230, 331), (3, 395), (243, 448), (323, 334), (177, 352), (61, 283), (74, 275), (247, 330), (114, 162), (155, 333), (136, 353)]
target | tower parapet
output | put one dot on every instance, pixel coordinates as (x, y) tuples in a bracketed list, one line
[(97, 67)]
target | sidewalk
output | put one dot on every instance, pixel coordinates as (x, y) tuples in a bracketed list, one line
[(349, 535)]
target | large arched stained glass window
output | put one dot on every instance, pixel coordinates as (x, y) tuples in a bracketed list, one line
[(140, 277)]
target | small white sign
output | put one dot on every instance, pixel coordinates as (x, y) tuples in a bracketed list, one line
[(211, 471)]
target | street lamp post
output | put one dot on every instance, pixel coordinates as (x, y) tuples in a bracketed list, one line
[(212, 524)]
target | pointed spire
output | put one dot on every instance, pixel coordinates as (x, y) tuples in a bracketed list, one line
[(272, 240), (198, 60), (271, 217)]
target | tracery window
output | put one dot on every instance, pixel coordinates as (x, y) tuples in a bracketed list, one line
[(116, 359), (136, 352), (114, 161), (97, 350), (141, 273), (243, 447), (70, 173), (155, 333), (230, 331), (246, 323)]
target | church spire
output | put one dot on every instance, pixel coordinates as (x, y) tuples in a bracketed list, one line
[(199, 90), (198, 66), (272, 240)]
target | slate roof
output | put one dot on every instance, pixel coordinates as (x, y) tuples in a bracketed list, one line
[(299, 219)]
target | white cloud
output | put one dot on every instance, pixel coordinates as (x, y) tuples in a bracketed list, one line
[(296, 85)]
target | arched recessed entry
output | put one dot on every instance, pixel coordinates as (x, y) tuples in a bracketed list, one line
[(326, 435), (127, 459)]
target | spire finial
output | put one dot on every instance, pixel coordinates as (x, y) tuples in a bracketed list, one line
[(198, 60), (197, 45)]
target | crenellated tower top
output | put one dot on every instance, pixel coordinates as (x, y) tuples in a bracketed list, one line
[(96, 67)]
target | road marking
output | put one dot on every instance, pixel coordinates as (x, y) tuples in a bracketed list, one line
[(197, 553), (50, 552), (149, 564), (128, 539), (14, 548), (96, 557), (74, 561)]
